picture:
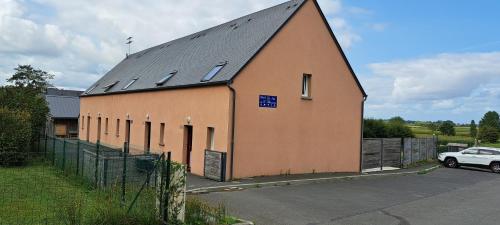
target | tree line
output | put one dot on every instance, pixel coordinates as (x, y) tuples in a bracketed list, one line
[(488, 129), (23, 112)]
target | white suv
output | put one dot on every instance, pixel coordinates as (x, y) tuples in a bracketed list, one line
[(476, 156)]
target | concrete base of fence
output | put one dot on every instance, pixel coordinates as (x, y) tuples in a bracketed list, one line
[(386, 168)]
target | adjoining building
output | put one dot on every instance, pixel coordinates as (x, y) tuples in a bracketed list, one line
[(266, 94), (64, 106)]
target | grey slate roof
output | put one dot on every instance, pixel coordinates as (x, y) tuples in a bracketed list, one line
[(63, 107), (193, 56), (56, 91)]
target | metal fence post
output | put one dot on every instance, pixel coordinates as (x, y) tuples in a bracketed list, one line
[(381, 154), (97, 163), (77, 157), (63, 164), (105, 172), (46, 140), (54, 151), (411, 150), (402, 153), (124, 172), (167, 186)]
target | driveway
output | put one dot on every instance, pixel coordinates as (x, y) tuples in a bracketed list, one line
[(444, 196)]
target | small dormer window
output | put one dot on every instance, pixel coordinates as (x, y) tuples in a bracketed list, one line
[(213, 72), (166, 78), (109, 86), (130, 83)]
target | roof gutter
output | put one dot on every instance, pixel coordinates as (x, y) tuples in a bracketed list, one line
[(362, 131), (233, 125)]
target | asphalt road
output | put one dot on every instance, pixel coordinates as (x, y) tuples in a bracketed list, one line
[(445, 196)]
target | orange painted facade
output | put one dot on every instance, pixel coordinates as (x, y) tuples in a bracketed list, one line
[(199, 108), (321, 134), (300, 136)]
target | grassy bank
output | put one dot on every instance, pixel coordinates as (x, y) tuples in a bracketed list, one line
[(41, 194)]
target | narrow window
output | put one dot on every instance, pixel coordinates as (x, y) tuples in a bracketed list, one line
[(83, 122), (306, 86), (210, 138), (166, 78), (212, 73), (106, 127), (162, 134), (130, 83), (117, 127)]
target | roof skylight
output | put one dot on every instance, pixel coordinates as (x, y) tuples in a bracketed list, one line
[(109, 86), (130, 83), (166, 78), (91, 89), (213, 72)]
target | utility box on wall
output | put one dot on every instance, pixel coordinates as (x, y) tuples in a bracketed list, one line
[(215, 165)]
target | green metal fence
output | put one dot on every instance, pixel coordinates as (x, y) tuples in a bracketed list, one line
[(60, 180)]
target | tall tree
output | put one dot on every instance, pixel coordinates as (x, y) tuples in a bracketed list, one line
[(473, 129), (397, 128), (447, 128), (490, 119), (31, 79), (374, 128), (26, 95)]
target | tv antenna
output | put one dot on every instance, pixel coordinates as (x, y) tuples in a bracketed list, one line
[(129, 42)]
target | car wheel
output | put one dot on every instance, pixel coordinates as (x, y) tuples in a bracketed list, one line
[(495, 167), (451, 162)]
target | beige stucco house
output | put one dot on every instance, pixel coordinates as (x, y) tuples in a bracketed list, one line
[(272, 91)]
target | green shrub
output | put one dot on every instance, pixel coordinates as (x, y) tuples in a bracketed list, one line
[(15, 134), (199, 212), (488, 134)]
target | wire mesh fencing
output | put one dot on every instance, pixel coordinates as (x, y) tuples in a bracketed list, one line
[(68, 181)]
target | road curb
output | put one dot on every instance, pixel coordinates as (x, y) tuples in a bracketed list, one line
[(239, 187)]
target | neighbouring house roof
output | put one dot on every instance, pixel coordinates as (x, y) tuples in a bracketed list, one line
[(56, 91), (192, 57), (63, 107)]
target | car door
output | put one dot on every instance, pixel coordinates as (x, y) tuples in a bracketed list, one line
[(485, 157), (468, 156)]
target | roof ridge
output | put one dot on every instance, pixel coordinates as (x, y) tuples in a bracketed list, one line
[(212, 27)]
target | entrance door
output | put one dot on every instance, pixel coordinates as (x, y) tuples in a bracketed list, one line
[(88, 129), (99, 129), (127, 132), (147, 137), (188, 145)]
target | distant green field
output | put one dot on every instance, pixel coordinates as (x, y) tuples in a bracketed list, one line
[(462, 135)]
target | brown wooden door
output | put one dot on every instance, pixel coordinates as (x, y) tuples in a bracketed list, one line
[(188, 145), (147, 137)]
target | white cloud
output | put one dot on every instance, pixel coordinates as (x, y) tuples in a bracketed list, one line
[(378, 26), (441, 76), (343, 31), (81, 40), (446, 84)]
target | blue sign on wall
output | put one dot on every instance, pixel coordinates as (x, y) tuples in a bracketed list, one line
[(266, 101)]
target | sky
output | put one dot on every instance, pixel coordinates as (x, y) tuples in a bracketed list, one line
[(419, 59)]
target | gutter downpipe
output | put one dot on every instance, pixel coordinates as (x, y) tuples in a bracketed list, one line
[(233, 114), (362, 129)]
